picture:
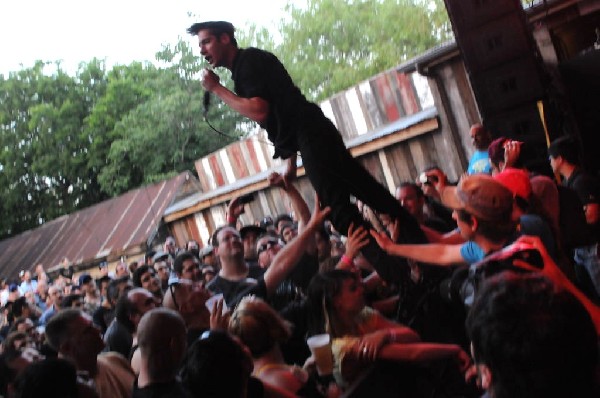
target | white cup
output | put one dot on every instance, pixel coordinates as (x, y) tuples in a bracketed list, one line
[(320, 346)]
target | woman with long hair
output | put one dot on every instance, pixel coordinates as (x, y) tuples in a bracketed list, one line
[(360, 334)]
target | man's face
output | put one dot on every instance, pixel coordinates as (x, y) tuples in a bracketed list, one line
[(555, 164), (170, 245), (55, 296), (212, 48), (85, 341), (121, 270), (267, 247), (191, 270), (410, 200), (89, 287), (142, 301), (150, 282), (162, 270), (289, 232), (230, 244)]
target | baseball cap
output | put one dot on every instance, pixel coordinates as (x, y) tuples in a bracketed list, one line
[(205, 251), (252, 228), (482, 196), (84, 278), (159, 255), (517, 181)]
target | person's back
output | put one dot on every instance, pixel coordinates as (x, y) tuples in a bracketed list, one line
[(162, 344)]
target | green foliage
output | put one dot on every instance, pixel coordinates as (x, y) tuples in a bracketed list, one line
[(330, 45)]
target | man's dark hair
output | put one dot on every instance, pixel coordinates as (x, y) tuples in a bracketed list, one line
[(216, 28), (136, 278), (18, 306), (181, 257), (123, 309), (101, 280), (214, 366), (57, 328), (495, 231), (536, 343), (282, 217), (67, 301), (113, 291), (214, 239), (566, 147), (414, 186)]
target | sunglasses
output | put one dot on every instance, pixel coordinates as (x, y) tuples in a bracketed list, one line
[(267, 245)]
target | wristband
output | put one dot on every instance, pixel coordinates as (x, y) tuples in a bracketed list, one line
[(347, 260)]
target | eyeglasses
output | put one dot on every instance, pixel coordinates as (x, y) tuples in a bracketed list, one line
[(267, 245), (147, 278), (191, 269)]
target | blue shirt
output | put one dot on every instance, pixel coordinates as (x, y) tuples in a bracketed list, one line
[(480, 163)]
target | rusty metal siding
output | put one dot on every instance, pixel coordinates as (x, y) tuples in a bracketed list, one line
[(103, 231)]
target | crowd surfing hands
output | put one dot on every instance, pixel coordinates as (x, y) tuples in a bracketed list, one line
[(357, 239), (219, 319)]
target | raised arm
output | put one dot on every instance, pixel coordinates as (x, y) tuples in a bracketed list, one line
[(554, 273), (290, 254)]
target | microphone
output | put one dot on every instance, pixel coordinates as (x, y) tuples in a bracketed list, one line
[(206, 102)]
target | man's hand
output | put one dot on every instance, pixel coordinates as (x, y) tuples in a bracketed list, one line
[(218, 319), (276, 180), (357, 239), (319, 215), (550, 268), (210, 80), (382, 239), (234, 210), (512, 150)]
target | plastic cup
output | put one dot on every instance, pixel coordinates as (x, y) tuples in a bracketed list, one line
[(320, 347)]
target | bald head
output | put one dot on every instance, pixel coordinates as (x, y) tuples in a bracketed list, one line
[(162, 343)]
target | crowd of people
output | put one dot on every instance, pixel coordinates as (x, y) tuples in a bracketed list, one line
[(486, 286)]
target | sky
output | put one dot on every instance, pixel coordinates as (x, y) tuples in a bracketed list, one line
[(119, 31)]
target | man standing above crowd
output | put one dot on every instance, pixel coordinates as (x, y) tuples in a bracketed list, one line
[(266, 94)]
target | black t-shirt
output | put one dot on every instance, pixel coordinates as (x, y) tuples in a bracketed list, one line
[(258, 73), (233, 291)]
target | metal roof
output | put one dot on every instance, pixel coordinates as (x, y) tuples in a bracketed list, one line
[(103, 231)]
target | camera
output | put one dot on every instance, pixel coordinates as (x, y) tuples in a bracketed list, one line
[(427, 180), (462, 287)]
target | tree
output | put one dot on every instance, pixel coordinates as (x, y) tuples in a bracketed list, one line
[(330, 45), (42, 160), (165, 133)]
